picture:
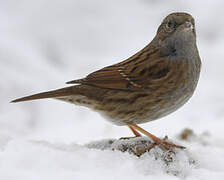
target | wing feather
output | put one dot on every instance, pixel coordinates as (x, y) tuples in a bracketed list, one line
[(136, 73)]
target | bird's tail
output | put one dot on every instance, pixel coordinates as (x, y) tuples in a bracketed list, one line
[(49, 94)]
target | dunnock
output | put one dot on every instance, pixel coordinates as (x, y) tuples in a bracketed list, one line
[(151, 84)]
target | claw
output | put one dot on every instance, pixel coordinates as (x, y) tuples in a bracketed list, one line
[(157, 141), (127, 138), (167, 145)]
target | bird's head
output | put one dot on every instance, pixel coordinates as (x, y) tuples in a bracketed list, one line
[(175, 23), (177, 31)]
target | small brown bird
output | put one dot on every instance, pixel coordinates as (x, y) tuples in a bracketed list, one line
[(151, 84)]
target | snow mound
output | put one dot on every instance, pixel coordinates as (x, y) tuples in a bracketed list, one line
[(172, 162), (110, 159)]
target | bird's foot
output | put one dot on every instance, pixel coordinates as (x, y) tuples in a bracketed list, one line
[(135, 133), (166, 145), (157, 141), (127, 138)]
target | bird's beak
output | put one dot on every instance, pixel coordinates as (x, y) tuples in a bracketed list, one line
[(188, 25)]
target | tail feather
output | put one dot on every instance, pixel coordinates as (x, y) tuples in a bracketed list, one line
[(49, 94), (77, 81)]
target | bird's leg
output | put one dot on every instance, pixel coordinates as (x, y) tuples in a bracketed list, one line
[(157, 141), (136, 133)]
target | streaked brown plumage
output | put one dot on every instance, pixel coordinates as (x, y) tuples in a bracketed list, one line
[(149, 85)]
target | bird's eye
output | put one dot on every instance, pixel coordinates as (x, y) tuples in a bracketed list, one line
[(170, 26)]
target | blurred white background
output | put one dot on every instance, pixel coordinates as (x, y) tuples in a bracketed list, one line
[(43, 44)]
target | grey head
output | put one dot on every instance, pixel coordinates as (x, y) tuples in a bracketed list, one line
[(176, 34)]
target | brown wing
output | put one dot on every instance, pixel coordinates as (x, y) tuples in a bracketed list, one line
[(136, 73)]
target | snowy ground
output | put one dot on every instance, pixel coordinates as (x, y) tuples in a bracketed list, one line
[(46, 43)]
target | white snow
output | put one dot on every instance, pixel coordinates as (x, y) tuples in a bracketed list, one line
[(46, 43)]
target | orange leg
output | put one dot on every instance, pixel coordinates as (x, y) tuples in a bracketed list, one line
[(136, 133), (158, 141)]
